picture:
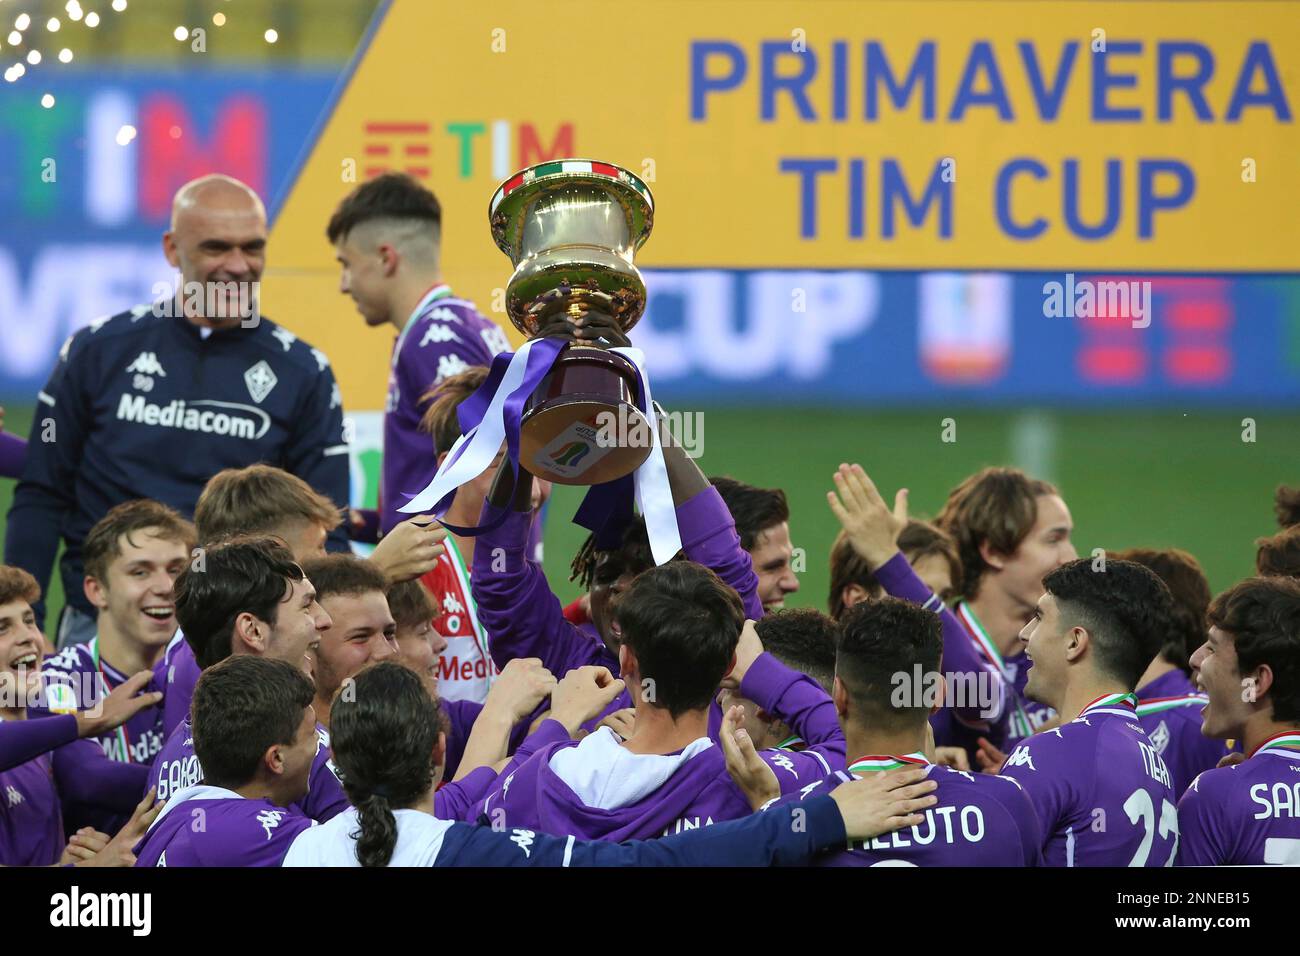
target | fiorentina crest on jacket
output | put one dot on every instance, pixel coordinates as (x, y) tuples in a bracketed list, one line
[(260, 380)]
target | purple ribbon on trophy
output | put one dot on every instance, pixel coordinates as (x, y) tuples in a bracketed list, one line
[(570, 227)]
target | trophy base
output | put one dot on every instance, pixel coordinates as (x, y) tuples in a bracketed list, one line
[(582, 426)]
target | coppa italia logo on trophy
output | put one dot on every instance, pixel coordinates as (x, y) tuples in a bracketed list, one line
[(407, 144)]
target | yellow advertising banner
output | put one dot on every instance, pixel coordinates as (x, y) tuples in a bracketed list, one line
[(1125, 137)]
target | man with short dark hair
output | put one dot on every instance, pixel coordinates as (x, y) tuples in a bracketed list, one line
[(980, 819), (1248, 814), (680, 626), (254, 733), (1103, 794), (1169, 706), (387, 237), (763, 522), (802, 639), (248, 598)]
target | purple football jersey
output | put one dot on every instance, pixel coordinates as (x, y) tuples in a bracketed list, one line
[(1247, 814), (175, 675), (78, 674), (212, 826), (596, 789), (980, 820), (1103, 794), (1169, 710), (31, 819), (177, 768), (443, 337)]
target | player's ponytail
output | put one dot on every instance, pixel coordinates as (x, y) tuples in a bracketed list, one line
[(383, 727)]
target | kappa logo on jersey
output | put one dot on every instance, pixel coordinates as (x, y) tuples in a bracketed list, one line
[(524, 838), (1020, 757), (449, 365), (1160, 737), (785, 763), (270, 819), (146, 363), (260, 380), (284, 337), (322, 361), (13, 796), (443, 314), (436, 334), (495, 340)]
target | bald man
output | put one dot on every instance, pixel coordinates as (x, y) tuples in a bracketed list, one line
[(152, 402)]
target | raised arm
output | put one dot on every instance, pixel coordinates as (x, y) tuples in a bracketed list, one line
[(873, 529), (516, 607)]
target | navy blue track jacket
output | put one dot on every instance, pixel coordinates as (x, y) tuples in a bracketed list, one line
[(142, 405)]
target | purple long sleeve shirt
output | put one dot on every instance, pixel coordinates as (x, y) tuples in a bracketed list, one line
[(177, 768), (961, 656), (22, 740), (13, 453), (804, 707), (236, 831), (523, 618)]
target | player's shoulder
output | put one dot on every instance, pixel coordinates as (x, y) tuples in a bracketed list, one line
[(287, 349), (73, 658), (1178, 707), (1213, 787), (109, 331)]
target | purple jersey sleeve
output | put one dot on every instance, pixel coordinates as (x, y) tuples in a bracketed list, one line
[(1202, 840), (804, 706), (13, 452), (454, 800), (709, 537), (86, 776), (1041, 765), (21, 740), (960, 654), (521, 616), (325, 797)]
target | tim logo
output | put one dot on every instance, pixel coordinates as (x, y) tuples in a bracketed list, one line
[(571, 454), (74, 908)]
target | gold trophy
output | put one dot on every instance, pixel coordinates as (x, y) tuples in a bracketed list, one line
[(571, 228)]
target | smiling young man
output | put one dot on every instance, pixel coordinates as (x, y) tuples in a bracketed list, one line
[(1248, 814), (1010, 531), (264, 500), (353, 594), (47, 767), (1102, 792), (133, 556), (763, 522), (249, 599)]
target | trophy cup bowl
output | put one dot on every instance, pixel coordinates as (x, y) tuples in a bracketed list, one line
[(571, 227)]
